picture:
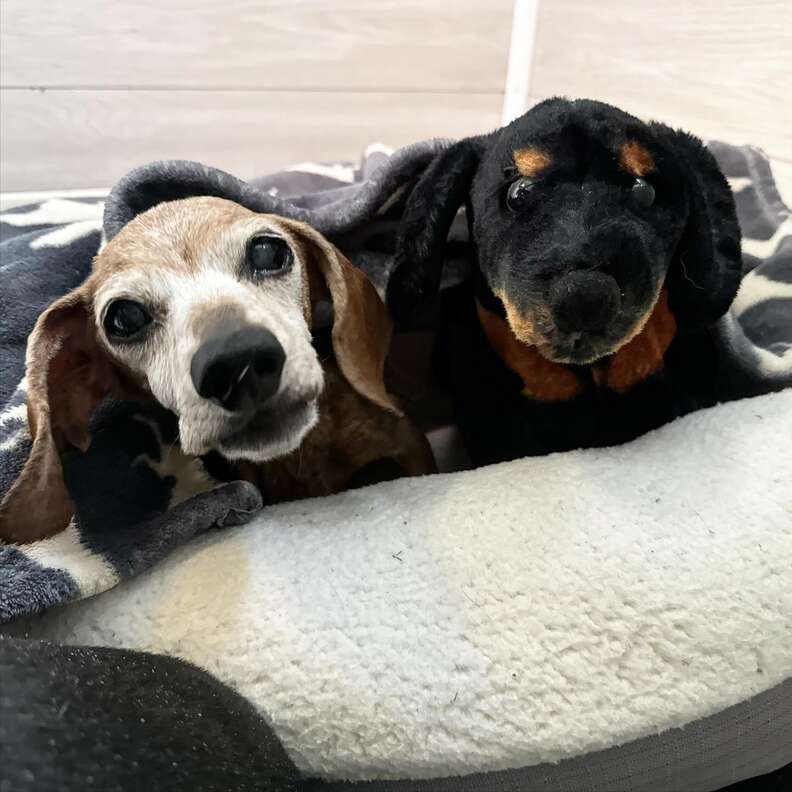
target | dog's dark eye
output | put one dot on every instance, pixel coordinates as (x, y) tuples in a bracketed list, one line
[(643, 192), (517, 196), (125, 319), (268, 254)]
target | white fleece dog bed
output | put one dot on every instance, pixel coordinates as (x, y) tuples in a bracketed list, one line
[(500, 618)]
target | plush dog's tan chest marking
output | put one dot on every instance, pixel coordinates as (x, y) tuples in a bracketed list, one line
[(531, 162), (542, 379), (636, 160), (641, 357)]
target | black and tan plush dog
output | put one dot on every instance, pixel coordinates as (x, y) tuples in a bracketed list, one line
[(604, 251)]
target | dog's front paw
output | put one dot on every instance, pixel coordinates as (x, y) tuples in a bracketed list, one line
[(242, 501)]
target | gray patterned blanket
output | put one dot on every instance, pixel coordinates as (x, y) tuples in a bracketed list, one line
[(128, 515)]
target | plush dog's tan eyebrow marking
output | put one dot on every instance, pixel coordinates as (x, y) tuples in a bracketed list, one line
[(635, 159), (531, 161)]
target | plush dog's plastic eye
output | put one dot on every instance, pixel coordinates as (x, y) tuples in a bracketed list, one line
[(643, 192), (125, 319), (268, 254), (518, 194)]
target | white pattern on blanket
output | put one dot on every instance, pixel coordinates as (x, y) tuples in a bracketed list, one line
[(497, 618)]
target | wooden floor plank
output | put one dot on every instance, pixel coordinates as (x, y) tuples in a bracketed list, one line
[(402, 45), (86, 139)]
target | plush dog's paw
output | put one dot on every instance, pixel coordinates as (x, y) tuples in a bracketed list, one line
[(242, 501)]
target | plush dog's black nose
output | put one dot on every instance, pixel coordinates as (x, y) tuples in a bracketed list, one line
[(584, 301), (240, 369)]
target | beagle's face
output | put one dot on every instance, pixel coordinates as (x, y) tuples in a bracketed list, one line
[(207, 308), (576, 216), (204, 304)]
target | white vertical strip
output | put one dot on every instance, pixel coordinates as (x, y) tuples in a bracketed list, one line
[(521, 50)]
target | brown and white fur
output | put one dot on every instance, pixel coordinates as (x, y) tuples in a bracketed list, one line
[(184, 261)]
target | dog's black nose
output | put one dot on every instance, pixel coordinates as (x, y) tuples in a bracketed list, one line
[(240, 369), (584, 301)]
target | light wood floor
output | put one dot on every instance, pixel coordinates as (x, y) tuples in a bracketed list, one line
[(91, 88)]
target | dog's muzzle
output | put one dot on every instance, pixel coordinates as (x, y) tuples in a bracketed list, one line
[(240, 370), (584, 302)]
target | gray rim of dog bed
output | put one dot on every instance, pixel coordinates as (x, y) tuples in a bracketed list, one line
[(746, 740)]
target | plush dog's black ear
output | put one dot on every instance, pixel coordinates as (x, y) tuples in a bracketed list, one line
[(705, 274), (428, 215)]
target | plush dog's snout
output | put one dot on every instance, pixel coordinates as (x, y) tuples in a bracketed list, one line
[(240, 369), (584, 301)]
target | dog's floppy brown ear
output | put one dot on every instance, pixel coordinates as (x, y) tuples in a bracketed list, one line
[(68, 374), (362, 328)]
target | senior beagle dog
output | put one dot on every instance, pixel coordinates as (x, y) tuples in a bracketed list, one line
[(215, 313), (604, 250)]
